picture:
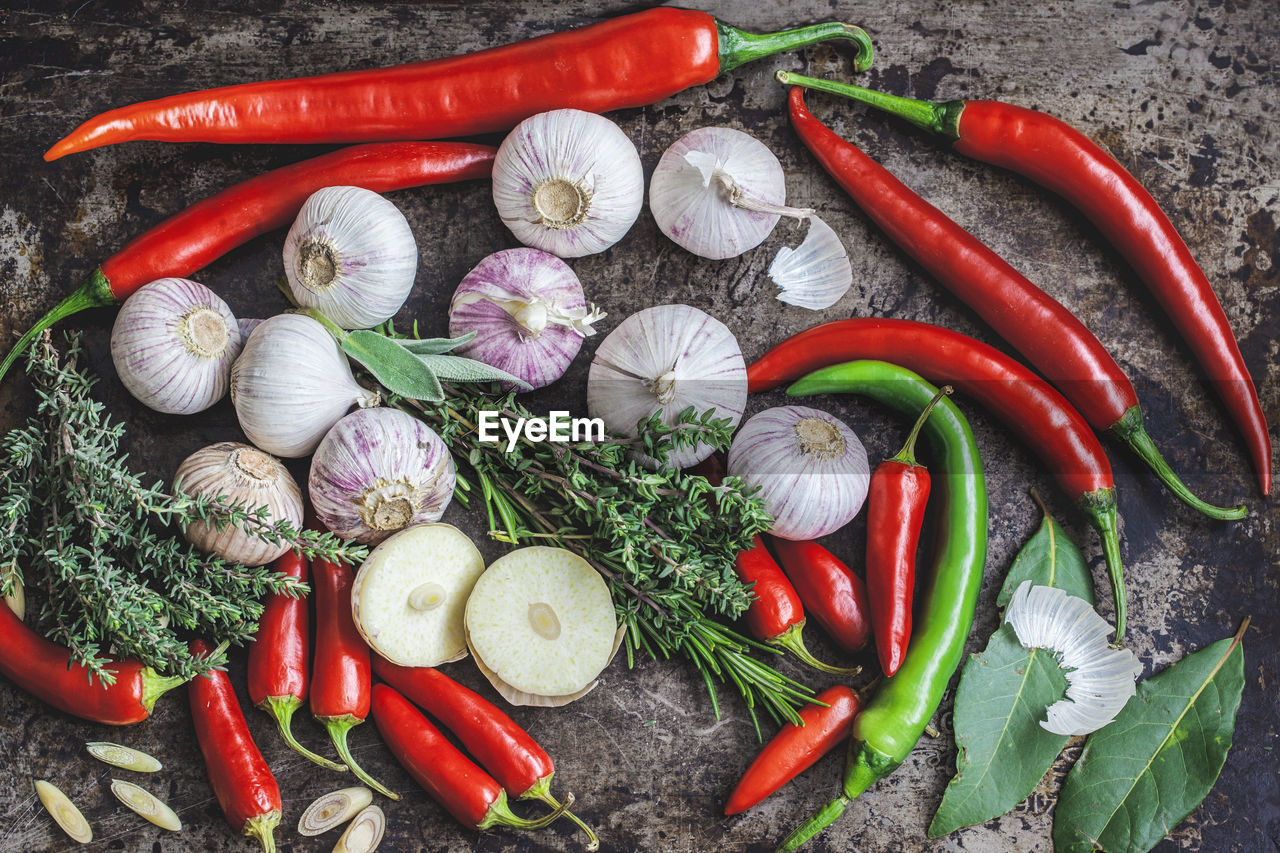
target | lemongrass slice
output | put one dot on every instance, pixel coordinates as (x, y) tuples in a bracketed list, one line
[(817, 273), (542, 620), (365, 832), (409, 597), (144, 803), (63, 811), (126, 758), (333, 809), (1100, 679)]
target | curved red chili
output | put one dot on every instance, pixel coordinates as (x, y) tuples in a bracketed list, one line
[(1038, 326), (342, 674), (208, 229), (629, 61), (280, 656), (794, 749), (241, 779), (44, 669), (835, 596)]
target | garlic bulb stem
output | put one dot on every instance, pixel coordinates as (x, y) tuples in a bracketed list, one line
[(736, 197)]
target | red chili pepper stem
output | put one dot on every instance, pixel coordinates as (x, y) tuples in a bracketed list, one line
[(738, 47), (95, 292), (907, 455), (541, 790), (1104, 520), (155, 685), (792, 640), (282, 709), (338, 728)]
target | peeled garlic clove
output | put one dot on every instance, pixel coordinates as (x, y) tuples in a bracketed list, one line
[(333, 809), (243, 475), (351, 255), (817, 273), (568, 182), (365, 832), (173, 344), (64, 812), (145, 804), (123, 757)]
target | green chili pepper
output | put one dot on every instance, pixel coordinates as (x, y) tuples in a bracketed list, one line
[(891, 723)]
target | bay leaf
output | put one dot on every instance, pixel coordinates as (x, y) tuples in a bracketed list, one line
[(1049, 558), (398, 370)]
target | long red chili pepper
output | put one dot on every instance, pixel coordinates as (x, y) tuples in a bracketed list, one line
[(896, 499), (835, 596), (794, 749), (1038, 326), (342, 673), (241, 779), (280, 657), (454, 781), (629, 61), (1060, 158), (516, 760), (44, 669), (208, 229)]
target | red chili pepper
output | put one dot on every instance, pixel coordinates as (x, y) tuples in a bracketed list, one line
[(208, 229), (454, 781), (516, 760), (44, 669), (896, 499), (280, 655), (1040, 328), (794, 749), (629, 61), (1060, 158), (342, 674), (835, 596), (241, 779)]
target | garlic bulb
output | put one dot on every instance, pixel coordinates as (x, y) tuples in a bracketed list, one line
[(667, 358), (377, 471), (811, 469), (291, 384), (568, 182), (528, 314), (817, 273), (173, 343), (719, 192), (351, 255), (243, 475)]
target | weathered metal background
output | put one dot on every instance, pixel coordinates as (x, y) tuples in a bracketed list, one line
[(1184, 93)]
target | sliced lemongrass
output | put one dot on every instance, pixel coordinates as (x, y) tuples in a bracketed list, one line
[(1100, 679), (63, 811), (817, 273), (365, 832), (333, 809), (145, 804), (126, 758)]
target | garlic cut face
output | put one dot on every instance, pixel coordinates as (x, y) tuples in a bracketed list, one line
[(351, 255), (568, 182)]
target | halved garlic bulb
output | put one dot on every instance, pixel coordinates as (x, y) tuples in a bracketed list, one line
[(817, 273)]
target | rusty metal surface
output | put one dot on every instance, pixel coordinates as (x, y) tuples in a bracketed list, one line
[(1183, 93)]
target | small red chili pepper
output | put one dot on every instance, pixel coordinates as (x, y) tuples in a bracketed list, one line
[(794, 749), (342, 674), (835, 596), (241, 779), (896, 500), (208, 229), (516, 760), (44, 669), (454, 781), (280, 656)]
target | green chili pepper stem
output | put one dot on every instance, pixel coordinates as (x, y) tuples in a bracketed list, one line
[(738, 47), (864, 766), (942, 117), (814, 824), (1101, 509), (338, 728), (94, 292), (282, 709)]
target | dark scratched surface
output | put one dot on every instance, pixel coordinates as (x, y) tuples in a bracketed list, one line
[(1184, 93)]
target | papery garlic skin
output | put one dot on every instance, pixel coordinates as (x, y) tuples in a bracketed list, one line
[(528, 312), (568, 182), (816, 273), (173, 344), (378, 471), (811, 468), (291, 384), (669, 357), (243, 475), (350, 255)]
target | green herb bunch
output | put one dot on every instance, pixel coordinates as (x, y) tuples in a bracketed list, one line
[(101, 550)]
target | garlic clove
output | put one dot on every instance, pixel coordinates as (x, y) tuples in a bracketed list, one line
[(817, 273)]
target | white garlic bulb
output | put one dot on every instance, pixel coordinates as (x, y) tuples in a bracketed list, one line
[(243, 475), (667, 358), (568, 182), (350, 255), (173, 343), (291, 384)]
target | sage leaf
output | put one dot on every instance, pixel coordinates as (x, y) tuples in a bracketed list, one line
[(1140, 776), (468, 370), (434, 346), (398, 370), (1003, 751)]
